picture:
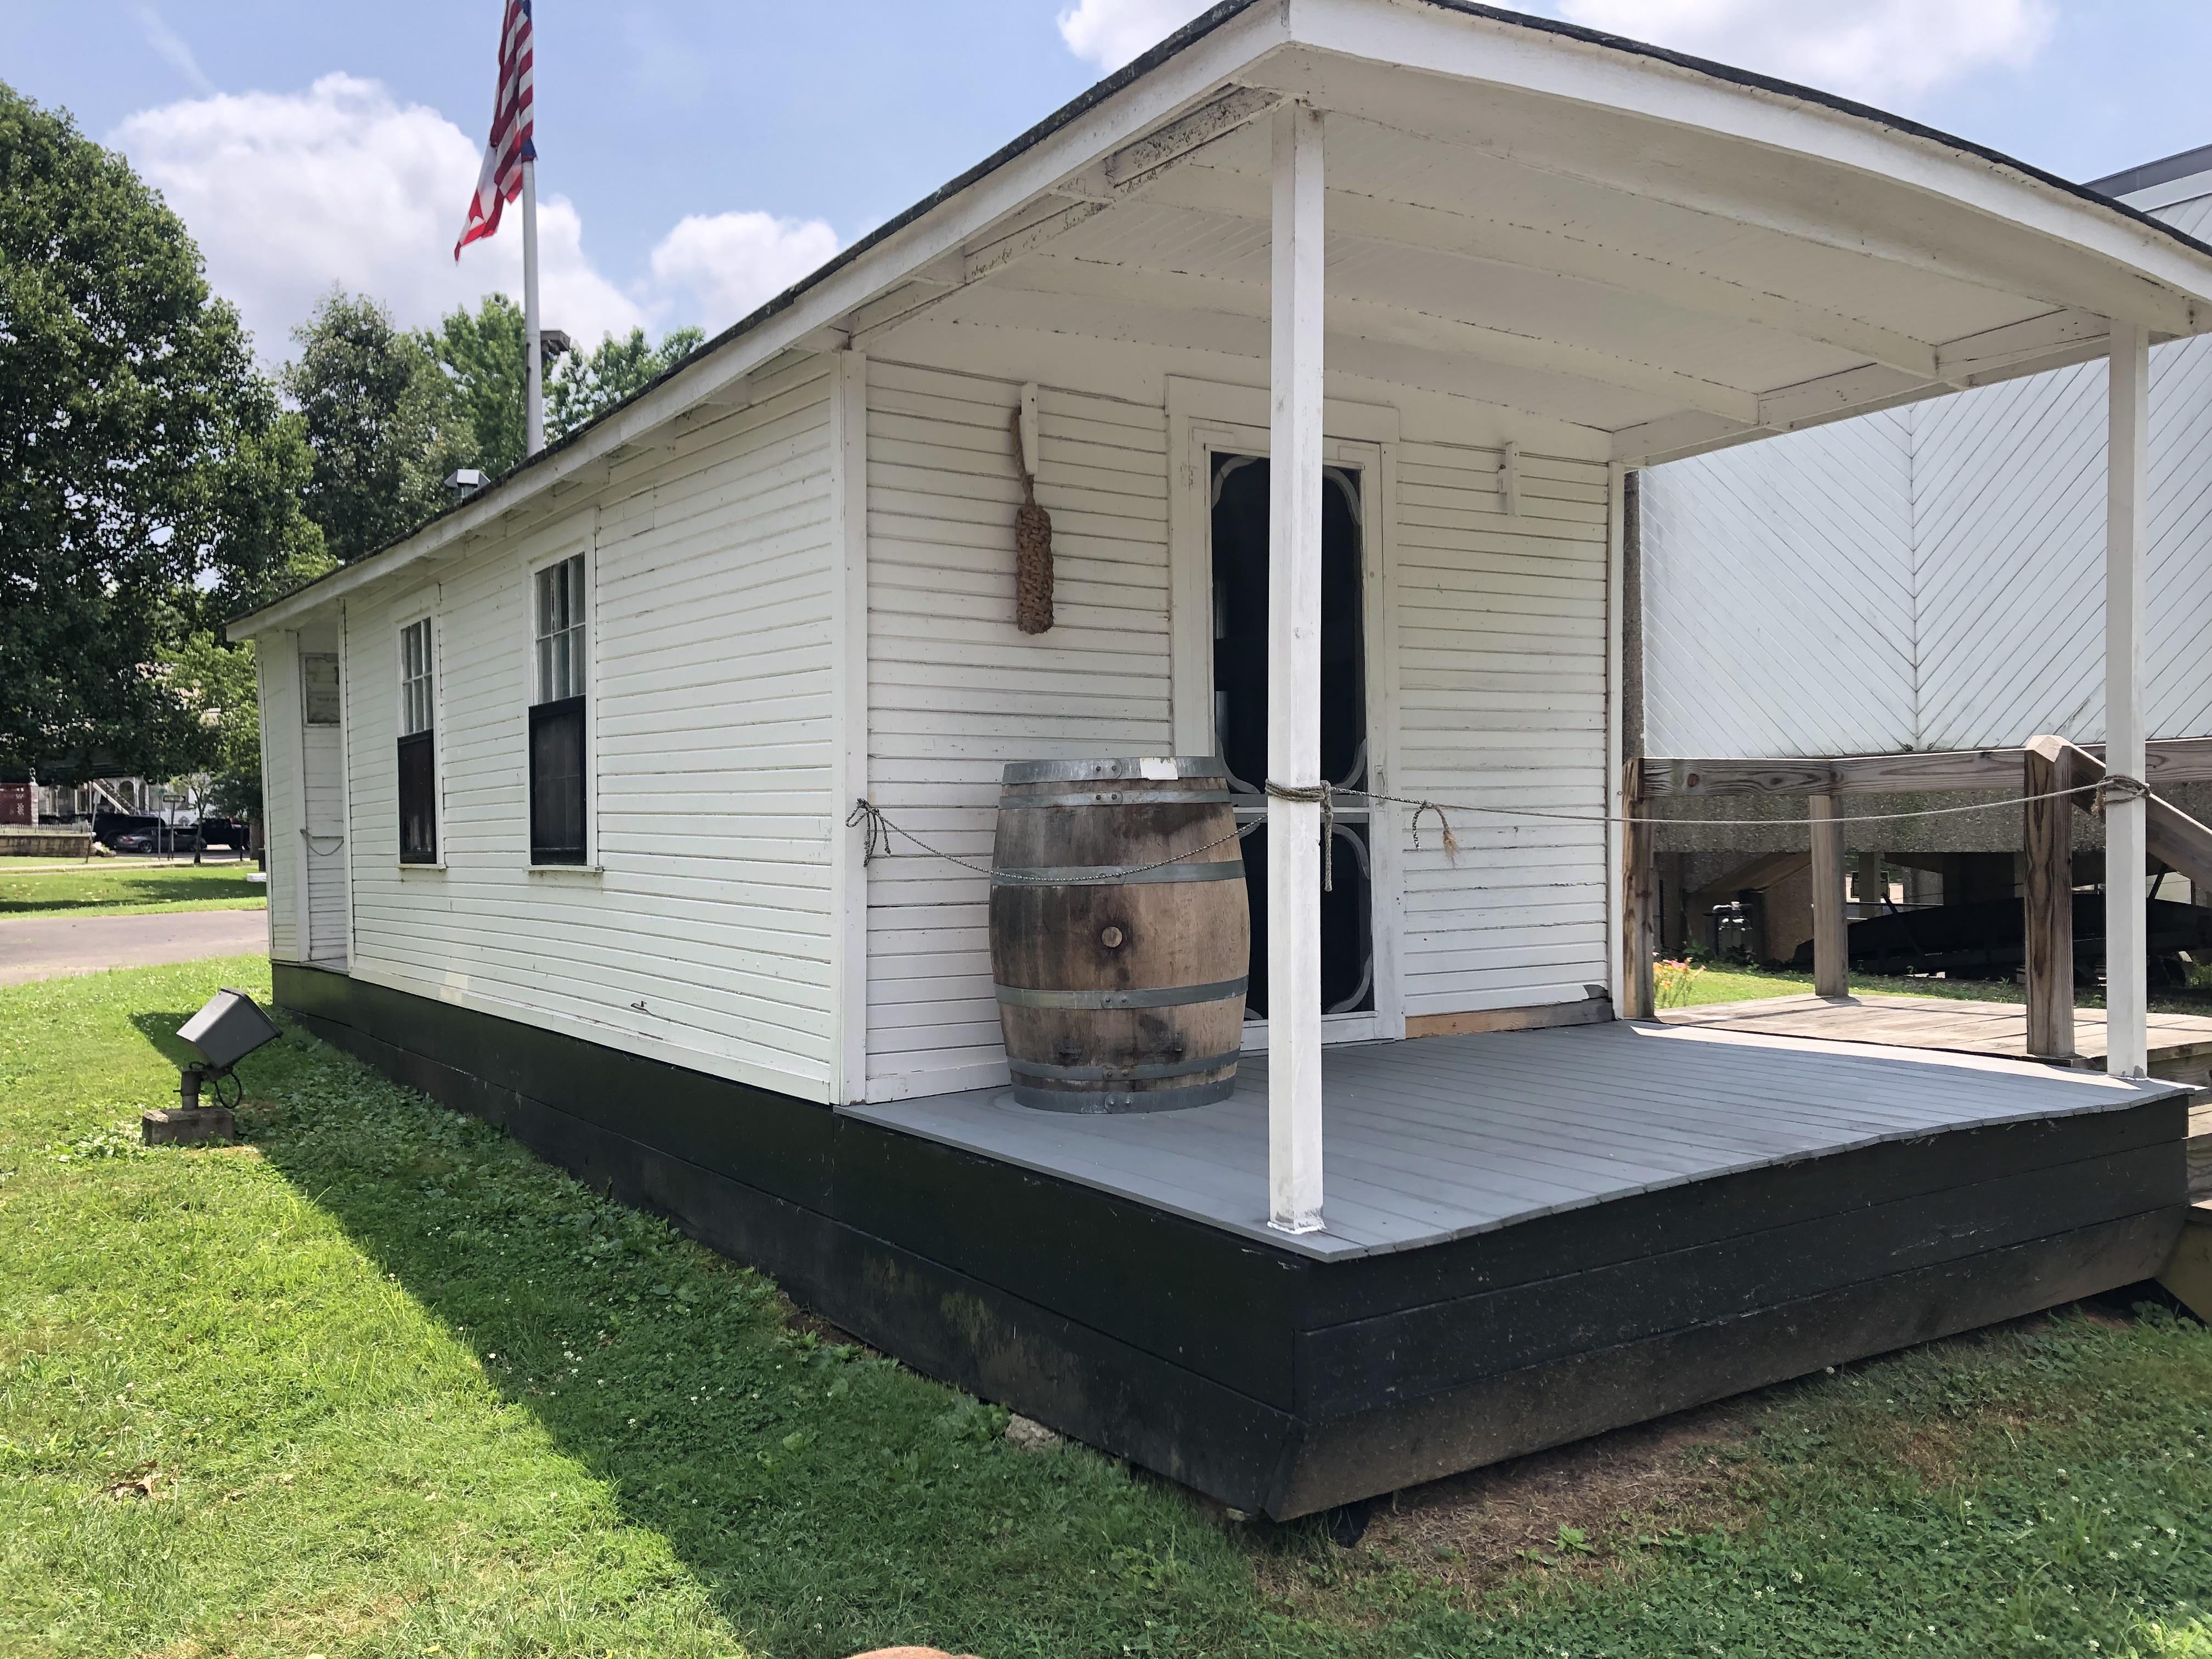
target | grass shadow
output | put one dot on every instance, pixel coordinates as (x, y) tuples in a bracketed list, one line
[(71, 892), (829, 1499)]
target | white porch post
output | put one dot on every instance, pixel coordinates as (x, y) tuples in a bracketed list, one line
[(1294, 1128), (2126, 500)]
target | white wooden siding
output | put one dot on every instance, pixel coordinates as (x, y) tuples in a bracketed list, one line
[(1502, 698), (280, 785), (707, 934), (323, 795), (956, 691), (1927, 578), (704, 934)]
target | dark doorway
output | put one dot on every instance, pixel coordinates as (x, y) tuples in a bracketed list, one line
[(1239, 712)]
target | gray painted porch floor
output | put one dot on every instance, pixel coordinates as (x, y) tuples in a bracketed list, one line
[(1435, 1138)]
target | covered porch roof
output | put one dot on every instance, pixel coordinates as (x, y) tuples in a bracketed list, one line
[(1607, 251)]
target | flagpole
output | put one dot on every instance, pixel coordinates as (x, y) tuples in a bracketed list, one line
[(533, 402)]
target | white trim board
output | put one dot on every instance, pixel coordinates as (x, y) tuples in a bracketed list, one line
[(1200, 422)]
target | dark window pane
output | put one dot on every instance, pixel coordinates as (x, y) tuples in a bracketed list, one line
[(419, 800), (556, 782)]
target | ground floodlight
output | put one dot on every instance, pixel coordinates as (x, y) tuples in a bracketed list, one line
[(227, 1028), (230, 1027)]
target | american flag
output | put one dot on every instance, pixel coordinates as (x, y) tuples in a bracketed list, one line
[(511, 126)]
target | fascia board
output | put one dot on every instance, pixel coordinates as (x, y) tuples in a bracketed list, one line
[(2173, 193), (1470, 44)]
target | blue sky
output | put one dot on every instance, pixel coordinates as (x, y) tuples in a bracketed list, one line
[(697, 156)]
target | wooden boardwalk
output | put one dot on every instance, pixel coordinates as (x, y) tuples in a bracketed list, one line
[(1445, 1137), (2180, 1044)]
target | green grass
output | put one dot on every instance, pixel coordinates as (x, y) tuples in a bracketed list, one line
[(1739, 982), (1742, 981), (397, 1389), (120, 884)]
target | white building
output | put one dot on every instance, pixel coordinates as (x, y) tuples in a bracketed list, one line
[(561, 787), (1932, 576)]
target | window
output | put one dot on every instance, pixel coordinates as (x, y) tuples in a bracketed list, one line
[(560, 630), (318, 687), (556, 718), (418, 758)]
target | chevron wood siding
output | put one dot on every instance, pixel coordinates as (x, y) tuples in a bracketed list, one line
[(1778, 595), (1927, 578)]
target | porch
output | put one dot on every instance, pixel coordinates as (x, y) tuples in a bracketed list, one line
[(1442, 1139), (1534, 1235)]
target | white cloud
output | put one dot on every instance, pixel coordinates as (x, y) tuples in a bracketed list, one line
[(1109, 32), (1867, 49), (289, 193), (172, 48), (714, 268)]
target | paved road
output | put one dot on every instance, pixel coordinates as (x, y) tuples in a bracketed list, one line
[(43, 947)]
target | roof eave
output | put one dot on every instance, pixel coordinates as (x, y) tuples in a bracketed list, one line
[(1169, 77)]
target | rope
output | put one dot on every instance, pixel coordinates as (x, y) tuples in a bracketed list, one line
[(1734, 823), (1308, 794), (878, 829), (2117, 785)]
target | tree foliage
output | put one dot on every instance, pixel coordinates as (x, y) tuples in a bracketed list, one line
[(585, 387), (391, 413), (149, 478), (217, 685), (382, 421), (481, 352)]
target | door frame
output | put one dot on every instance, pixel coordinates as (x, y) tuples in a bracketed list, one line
[(1205, 418)]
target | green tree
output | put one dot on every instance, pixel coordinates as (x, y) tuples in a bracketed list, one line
[(216, 682), (382, 421), (483, 354), (149, 478), (585, 387)]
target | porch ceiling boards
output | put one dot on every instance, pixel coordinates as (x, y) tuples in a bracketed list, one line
[(1637, 260), (1447, 1136)]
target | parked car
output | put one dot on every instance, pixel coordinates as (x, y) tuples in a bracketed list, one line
[(108, 827), (223, 832), (133, 841)]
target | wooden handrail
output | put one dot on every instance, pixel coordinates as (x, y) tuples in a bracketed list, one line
[(2168, 760)]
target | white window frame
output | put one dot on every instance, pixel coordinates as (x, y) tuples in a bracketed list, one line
[(428, 678), (1204, 419), (586, 548), (426, 617), (577, 625)]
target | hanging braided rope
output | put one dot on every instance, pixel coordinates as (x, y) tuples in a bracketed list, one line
[(1032, 548)]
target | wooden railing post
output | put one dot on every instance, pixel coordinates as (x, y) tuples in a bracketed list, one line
[(2048, 837), (1831, 971), (1639, 898)]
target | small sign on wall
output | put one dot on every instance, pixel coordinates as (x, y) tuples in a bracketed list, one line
[(318, 687)]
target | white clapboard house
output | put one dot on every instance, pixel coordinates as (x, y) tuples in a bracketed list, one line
[(1332, 329)]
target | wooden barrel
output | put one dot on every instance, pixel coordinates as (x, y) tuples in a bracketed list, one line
[(1120, 936)]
